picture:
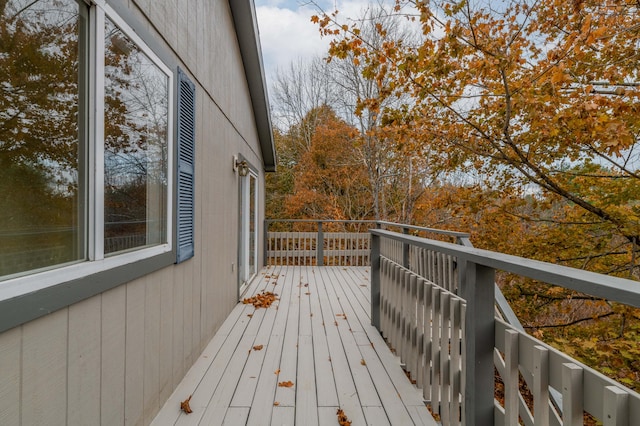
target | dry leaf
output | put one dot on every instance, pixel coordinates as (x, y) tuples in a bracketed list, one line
[(306, 285), (276, 403), (307, 293), (342, 418), (258, 347), (184, 405), (249, 315), (362, 362), (277, 372), (286, 384), (262, 300)]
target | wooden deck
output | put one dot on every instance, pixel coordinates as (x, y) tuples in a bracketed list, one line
[(318, 336)]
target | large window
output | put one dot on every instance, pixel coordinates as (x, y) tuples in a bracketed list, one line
[(85, 139), (135, 151)]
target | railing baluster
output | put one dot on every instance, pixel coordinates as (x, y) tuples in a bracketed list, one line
[(320, 246), (540, 385), (615, 407), (428, 341), (445, 349), (375, 281), (406, 279), (412, 365), (397, 303), (435, 349), (420, 324), (511, 378), (572, 391), (455, 366)]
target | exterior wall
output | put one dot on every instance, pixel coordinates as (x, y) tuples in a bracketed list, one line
[(115, 358)]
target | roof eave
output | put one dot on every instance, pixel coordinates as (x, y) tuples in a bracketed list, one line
[(246, 24)]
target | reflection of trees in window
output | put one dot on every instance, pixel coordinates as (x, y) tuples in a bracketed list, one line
[(40, 205), (136, 114)]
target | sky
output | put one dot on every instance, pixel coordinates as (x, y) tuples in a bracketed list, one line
[(287, 34)]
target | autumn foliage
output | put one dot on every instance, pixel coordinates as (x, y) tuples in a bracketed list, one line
[(517, 123)]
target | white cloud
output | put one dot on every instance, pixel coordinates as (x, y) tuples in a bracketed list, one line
[(287, 33)]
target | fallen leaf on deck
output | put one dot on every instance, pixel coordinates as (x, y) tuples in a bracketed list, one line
[(277, 372), (249, 315), (306, 285), (286, 384), (258, 347), (184, 405), (362, 362), (307, 293), (262, 300), (276, 403), (342, 418)]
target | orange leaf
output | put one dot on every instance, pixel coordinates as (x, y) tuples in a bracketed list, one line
[(342, 418), (258, 347), (184, 405), (286, 384)]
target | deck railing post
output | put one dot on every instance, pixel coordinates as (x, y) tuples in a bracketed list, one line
[(375, 281), (477, 288), (320, 246), (405, 249)]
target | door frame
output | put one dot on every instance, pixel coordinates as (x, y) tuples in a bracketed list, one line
[(248, 230)]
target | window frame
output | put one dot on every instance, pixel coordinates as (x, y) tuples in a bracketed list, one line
[(39, 292)]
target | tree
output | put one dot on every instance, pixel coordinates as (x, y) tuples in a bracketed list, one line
[(538, 100), (329, 180), (539, 93), (361, 104)]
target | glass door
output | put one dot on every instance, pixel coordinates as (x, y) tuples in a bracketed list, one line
[(247, 267)]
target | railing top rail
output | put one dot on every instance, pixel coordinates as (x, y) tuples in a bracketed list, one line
[(604, 286), (318, 220), (422, 228), (461, 235)]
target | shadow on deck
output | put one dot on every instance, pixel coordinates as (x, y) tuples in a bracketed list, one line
[(318, 336)]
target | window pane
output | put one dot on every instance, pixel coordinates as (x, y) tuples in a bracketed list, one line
[(41, 201), (136, 114)]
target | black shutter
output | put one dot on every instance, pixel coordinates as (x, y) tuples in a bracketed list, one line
[(186, 166)]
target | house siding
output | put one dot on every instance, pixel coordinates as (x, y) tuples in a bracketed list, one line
[(116, 357)]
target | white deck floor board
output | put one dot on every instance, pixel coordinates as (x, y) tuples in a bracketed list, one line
[(332, 361)]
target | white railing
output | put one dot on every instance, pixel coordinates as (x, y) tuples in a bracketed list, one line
[(316, 242), (329, 242), (434, 302)]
